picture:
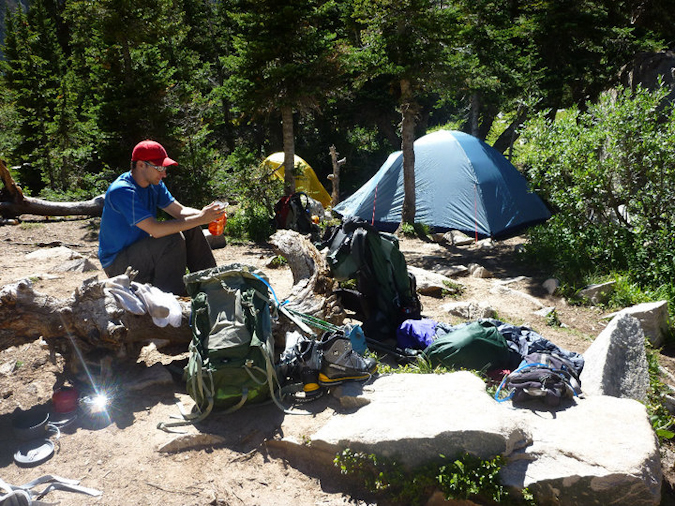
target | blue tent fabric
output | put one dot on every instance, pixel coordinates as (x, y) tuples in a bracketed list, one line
[(461, 183)]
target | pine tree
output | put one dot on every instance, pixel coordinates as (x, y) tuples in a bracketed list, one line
[(285, 61), (34, 70), (408, 44)]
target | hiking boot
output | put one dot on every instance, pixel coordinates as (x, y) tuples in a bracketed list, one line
[(340, 361)]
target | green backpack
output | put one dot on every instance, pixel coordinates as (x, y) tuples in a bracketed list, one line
[(385, 292), (231, 353)]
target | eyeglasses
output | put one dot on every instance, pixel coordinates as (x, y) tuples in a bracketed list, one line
[(156, 167)]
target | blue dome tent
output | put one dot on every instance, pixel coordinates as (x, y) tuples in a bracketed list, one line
[(461, 183)]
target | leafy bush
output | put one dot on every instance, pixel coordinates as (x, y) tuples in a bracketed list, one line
[(250, 222), (246, 183), (608, 174), (463, 477), (659, 416)]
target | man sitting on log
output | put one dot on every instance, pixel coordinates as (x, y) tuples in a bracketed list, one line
[(131, 235)]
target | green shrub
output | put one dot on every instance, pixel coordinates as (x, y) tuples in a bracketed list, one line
[(250, 222), (408, 230), (463, 477), (608, 174), (659, 416)]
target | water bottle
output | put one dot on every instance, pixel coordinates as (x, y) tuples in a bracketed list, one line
[(217, 226), (356, 337)]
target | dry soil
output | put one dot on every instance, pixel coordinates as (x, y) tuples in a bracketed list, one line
[(122, 460)]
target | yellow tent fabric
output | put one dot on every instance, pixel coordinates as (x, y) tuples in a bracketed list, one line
[(305, 178)]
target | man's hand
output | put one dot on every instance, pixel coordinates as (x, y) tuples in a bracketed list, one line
[(213, 211)]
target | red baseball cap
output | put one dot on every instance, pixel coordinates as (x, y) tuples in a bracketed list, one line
[(151, 151)]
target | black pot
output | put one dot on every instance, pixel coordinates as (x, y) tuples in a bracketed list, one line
[(29, 425)]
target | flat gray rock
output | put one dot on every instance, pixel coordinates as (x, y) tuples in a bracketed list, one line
[(598, 450)]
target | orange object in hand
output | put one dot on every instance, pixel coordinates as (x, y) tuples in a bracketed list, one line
[(217, 226)]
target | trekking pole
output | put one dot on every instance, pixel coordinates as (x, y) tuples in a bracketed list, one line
[(407, 354), (314, 321)]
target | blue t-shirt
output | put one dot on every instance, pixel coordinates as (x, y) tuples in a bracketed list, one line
[(127, 204)]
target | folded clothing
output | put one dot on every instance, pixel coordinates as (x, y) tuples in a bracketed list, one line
[(140, 299)]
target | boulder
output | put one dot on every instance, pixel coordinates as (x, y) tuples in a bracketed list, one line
[(478, 271), (551, 285), (431, 283), (597, 294), (457, 238), (76, 265), (470, 310), (58, 253), (596, 450), (653, 317), (616, 362), (451, 271)]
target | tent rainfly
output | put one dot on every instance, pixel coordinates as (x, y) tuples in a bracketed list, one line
[(461, 183), (305, 177)]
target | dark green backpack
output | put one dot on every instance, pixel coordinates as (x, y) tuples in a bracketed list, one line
[(231, 353), (385, 292)]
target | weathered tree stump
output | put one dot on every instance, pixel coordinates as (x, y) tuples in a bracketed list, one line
[(313, 286)]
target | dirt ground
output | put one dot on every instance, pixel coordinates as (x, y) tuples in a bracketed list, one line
[(121, 459)]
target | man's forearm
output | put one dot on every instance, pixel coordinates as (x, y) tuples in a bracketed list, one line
[(163, 228)]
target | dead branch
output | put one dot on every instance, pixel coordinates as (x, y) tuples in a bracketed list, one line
[(14, 203)]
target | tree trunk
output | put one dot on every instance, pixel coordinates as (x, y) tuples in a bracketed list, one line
[(409, 110), (313, 285), (289, 150), (474, 113), (508, 137), (15, 203), (335, 176)]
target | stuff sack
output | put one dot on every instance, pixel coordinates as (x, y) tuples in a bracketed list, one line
[(231, 352), (386, 293), (544, 376), (416, 334), (478, 346), (293, 212)]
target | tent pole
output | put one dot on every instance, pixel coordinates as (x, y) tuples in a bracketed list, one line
[(372, 221), (475, 210)]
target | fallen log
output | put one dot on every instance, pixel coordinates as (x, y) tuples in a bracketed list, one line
[(14, 203), (39, 207), (91, 322)]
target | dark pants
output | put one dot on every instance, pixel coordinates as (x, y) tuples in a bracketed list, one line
[(162, 262)]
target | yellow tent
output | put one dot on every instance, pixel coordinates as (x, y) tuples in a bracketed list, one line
[(305, 178)]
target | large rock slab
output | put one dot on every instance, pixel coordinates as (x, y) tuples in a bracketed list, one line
[(416, 417), (654, 318), (602, 450), (431, 283), (616, 362), (597, 450)]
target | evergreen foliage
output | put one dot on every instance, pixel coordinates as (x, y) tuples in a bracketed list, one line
[(83, 81)]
